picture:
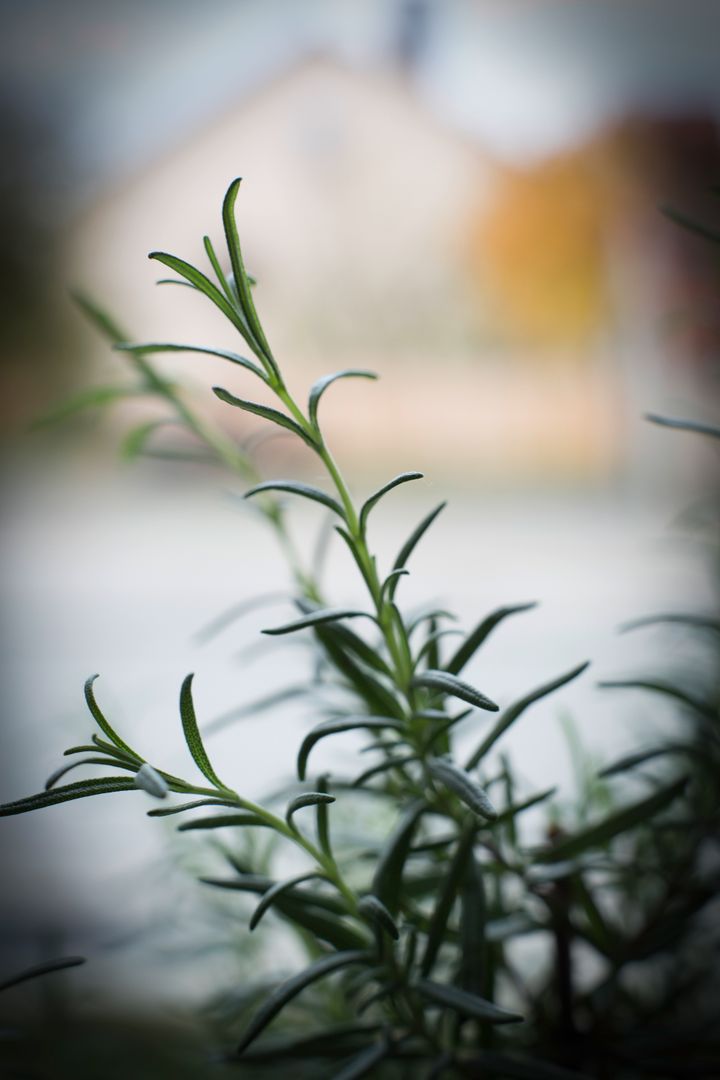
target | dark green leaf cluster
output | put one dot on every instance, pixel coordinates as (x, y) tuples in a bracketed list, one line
[(411, 942)]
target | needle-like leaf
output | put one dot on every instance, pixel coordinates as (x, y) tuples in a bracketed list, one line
[(317, 618), (376, 912), (39, 970), (465, 1004), (308, 798), (481, 632), (266, 412), (446, 898), (240, 277), (367, 506), (193, 737), (387, 879), (288, 990), (80, 790), (294, 487), (462, 785), (414, 539), (223, 821), (104, 724), (205, 285), (142, 348), (693, 426), (336, 727), (95, 397), (619, 822), (444, 683), (318, 388), (511, 714), (364, 1062), (276, 890)]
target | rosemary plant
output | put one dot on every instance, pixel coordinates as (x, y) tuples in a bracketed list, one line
[(417, 944)]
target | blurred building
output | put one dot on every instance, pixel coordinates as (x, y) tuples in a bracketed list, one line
[(514, 313)]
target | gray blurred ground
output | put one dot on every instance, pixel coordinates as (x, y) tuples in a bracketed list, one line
[(115, 572)]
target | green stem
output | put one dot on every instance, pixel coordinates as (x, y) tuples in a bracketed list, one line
[(326, 862)]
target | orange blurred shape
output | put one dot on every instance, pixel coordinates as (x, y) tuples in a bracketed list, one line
[(538, 254)]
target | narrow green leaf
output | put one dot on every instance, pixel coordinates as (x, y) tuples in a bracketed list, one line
[(318, 388), (442, 729), (240, 276), (308, 798), (474, 974), (352, 547), (684, 425), (433, 616), (288, 990), (192, 735), (169, 347), (416, 536), (317, 618), (446, 898), (698, 622), (94, 397), (364, 1062), (631, 761), (236, 611), (64, 769), (336, 727), (80, 790), (86, 748), (100, 319), (383, 767), (462, 785), (511, 714), (180, 808), (294, 487), (666, 689), (204, 285), (266, 412), (379, 698), (39, 970), (367, 506), (518, 808), (479, 635), (176, 281), (444, 683), (104, 724), (278, 889), (137, 438), (390, 582), (375, 911), (465, 1004), (387, 880), (619, 822), (113, 751), (430, 648), (315, 919), (353, 643), (219, 273), (692, 226), (259, 883), (223, 821), (322, 820)]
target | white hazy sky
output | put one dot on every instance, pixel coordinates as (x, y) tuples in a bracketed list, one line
[(125, 79)]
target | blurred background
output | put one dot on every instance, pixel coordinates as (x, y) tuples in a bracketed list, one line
[(464, 196)]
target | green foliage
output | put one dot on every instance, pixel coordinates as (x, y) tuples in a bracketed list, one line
[(419, 930)]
